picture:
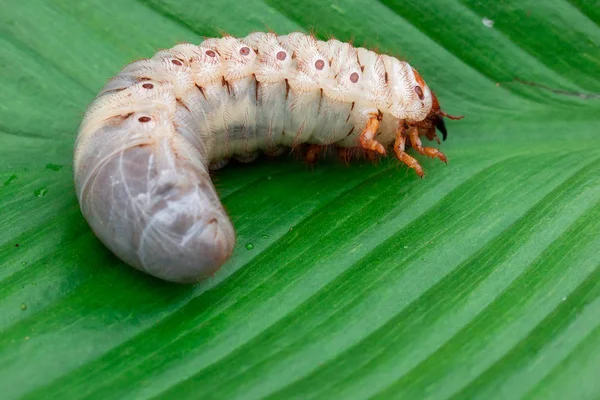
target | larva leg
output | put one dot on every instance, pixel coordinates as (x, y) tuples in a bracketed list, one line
[(367, 135), (399, 146), (415, 141)]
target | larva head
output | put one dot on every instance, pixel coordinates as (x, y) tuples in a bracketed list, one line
[(435, 119), (149, 199)]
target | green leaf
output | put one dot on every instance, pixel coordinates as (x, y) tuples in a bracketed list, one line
[(480, 281)]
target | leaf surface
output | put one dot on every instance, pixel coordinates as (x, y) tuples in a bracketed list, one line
[(480, 281)]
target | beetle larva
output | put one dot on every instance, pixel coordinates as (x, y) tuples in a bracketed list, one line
[(146, 143)]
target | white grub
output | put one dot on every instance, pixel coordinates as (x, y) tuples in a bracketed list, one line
[(146, 143)]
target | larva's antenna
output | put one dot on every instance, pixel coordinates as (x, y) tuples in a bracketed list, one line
[(443, 114)]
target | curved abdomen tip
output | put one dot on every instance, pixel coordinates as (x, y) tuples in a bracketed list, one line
[(155, 207)]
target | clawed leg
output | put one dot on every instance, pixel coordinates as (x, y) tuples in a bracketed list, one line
[(399, 146), (367, 135), (415, 141)]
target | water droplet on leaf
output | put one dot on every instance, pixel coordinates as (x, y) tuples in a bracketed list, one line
[(23, 306), (488, 23), (249, 246), (265, 236), (23, 263)]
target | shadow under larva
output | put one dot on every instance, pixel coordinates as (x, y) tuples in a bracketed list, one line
[(148, 140)]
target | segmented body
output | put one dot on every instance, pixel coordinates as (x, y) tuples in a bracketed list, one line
[(147, 141)]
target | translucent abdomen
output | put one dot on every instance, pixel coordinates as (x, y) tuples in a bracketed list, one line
[(147, 194)]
